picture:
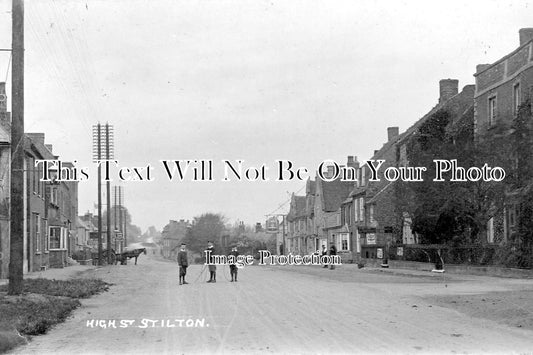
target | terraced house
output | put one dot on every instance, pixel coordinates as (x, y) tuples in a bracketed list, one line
[(50, 208)]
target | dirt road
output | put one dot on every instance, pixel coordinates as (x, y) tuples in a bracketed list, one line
[(286, 309)]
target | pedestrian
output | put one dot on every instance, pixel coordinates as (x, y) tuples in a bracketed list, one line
[(183, 262), (212, 268), (233, 267), (324, 253), (332, 253)]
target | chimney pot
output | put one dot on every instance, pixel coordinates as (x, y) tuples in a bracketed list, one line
[(526, 35), (448, 89), (392, 132)]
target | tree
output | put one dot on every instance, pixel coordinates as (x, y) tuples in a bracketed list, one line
[(453, 212), (206, 227)]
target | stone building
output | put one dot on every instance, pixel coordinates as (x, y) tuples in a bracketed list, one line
[(378, 217), (501, 87)]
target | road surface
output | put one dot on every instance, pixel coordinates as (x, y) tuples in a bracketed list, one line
[(283, 309)]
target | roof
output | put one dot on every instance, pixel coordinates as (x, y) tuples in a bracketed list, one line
[(334, 193), (298, 207)]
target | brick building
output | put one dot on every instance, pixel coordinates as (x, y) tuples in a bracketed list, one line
[(5, 163)]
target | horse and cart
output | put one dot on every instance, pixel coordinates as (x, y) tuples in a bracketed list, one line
[(119, 257)]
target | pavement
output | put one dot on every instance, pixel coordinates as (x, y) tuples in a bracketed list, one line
[(296, 310)]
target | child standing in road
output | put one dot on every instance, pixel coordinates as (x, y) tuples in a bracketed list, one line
[(183, 263), (233, 268)]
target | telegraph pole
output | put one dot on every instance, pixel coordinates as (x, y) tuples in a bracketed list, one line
[(16, 248), (99, 159), (103, 148), (108, 133)]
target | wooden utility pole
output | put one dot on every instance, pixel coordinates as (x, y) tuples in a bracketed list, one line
[(16, 248), (108, 193), (100, 261)]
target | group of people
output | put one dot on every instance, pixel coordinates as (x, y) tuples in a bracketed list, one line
[(332, 251), (183, 263)]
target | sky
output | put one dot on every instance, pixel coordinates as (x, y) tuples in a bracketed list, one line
[(255, 80)]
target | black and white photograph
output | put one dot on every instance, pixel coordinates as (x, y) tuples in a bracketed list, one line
[(266, 177)]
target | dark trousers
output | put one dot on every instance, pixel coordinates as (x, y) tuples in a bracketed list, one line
[(233, 272), (183, 272)]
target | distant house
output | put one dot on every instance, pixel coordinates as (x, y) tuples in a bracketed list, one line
[(297, 223), (331, 225), (172, 235)]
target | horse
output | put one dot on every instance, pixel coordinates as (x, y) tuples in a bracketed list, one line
[(131, 254)]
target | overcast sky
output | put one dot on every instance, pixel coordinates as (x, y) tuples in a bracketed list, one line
[(252, 80)]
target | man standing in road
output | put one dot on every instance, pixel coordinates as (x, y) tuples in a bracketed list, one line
[(212, 268), (332, 252), (183, 262), (233, 268)]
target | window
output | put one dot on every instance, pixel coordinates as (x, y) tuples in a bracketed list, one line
[(516, 97), (37, 232), (492, 110), (344, 242), (34, 177), (403, 155), (490, 231), (512, 216), (363, 176), (371, 214), (58, 238), (356, 209), (361, 209), (46, 236), (349, 214), (53, 196)]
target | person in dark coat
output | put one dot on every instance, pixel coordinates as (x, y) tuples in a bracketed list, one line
[(233, 268), (212, 268), (324, 253), (332, 252), (183, 262)]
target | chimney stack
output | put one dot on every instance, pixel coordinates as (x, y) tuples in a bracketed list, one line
[(481, 67), (3, 98), (392, 132), (526, 35), (5, 117), (448, 89), (352, 162), (330, 171)]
